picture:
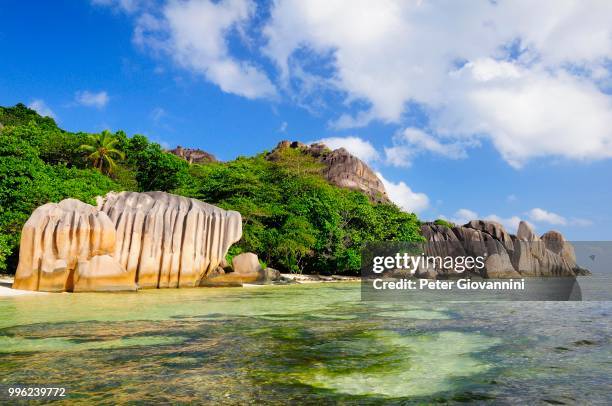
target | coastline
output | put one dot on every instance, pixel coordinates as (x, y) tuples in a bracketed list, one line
[(7, 280), (7, 291)]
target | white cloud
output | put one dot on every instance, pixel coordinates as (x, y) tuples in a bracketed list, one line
[(399, 155), (283, 127), (581, 222), (543, 216), (536, 114), (127, 6), (41, 108), (92, 99), (533, 78), (528, 76), (195, 34), (359, 147), (403, 196), (510, 223), (463, 216), (412, 141), (157, 114), (536, 215)]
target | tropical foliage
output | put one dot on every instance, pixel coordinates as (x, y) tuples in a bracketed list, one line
[(292, 218), (102, 151)]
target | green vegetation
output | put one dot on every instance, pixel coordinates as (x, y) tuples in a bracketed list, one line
[(292, 218), (445, 223), (102, 151)]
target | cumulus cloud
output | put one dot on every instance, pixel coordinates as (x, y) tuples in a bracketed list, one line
[(533, 83), (127, 6), (463, 216), (543, 216), (41, 108), (195, 35), (536, 215), (531, 78), (402, 195), (357, 146), (92, 99), (510, 223), (411, 142)]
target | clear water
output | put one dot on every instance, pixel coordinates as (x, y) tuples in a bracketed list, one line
[(305, 344)]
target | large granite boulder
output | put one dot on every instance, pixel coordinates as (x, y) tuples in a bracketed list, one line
[(506, 255), (246, 263), (246, 269), (555, 242), (170, 241), (68, 246), (342, 169), (131, 240)]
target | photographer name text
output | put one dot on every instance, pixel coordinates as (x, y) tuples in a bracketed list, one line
[(458, 284)]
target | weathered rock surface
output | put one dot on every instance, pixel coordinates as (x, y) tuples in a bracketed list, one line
[(193, 155), (341, 168), (246, 263), (507, 256), (169, 241), (68, 246), (131, 240), (348, 171), (271, 274), (246, 270)]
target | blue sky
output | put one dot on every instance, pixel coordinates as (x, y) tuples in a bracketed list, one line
[(474, 110)]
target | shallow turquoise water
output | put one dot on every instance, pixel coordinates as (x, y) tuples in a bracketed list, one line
[(304, 344)]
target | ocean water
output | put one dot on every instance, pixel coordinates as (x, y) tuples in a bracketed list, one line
[(305, 344)]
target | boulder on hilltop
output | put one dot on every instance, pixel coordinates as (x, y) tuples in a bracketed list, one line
[(342, 169), (193, 155)]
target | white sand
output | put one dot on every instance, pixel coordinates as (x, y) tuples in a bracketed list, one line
[(6, 291)]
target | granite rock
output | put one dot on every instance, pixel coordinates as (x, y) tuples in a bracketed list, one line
[(506, 255), (246, 263), (67, 246), (131, 240), (193, 155), (342, 169)]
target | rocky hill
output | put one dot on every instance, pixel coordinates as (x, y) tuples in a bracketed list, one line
[(341, 169), (193, 155)]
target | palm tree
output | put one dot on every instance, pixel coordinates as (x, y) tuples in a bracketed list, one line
[(102, 151)]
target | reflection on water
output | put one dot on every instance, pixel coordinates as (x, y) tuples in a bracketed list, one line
[(315, 343)]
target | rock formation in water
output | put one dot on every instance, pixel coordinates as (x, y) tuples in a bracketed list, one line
[(341, 168), (68, 246), (193, 155), (131, 240), (506, 255)]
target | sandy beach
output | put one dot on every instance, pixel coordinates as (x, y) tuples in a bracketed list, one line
[(7, 291), (6, 282)]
